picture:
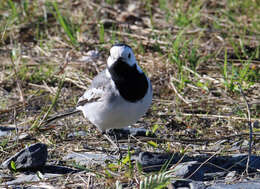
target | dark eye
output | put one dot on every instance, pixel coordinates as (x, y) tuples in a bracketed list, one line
[(129, 55)]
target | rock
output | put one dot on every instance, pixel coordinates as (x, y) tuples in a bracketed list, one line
[(6, 131), (5, 177), (246, 185), (245, 143), (54, 169), (230, 176), (30, 158), (35, 177), (184, 184), (154, 161), (187, 169), (90, 56), (256, 125), (108, 23), (197, 185), (24, 136), (89, 158), (210, 168), (125, 132), (44, 173), (189, 184), (23, 179), (236, 146), (240, 160), (210, 173), (77, 134)]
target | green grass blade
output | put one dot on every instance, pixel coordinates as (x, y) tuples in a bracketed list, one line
[(68, 30), (36, 124)]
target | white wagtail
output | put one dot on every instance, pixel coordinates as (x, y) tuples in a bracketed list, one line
[(119, 95)]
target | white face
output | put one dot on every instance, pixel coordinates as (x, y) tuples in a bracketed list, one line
[(123, 52)]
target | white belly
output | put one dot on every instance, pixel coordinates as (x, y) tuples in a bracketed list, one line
[(117, 113)]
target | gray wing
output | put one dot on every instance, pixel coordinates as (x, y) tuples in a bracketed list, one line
[(99, 89), (100, 80)]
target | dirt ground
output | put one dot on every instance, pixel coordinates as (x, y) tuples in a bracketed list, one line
[(202, 58)]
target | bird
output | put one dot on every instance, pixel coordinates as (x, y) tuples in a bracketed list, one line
[(119, 95)]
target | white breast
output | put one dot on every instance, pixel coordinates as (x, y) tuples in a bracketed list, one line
[(115, 112)]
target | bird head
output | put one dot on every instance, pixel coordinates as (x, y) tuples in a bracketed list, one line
[(122, 54)]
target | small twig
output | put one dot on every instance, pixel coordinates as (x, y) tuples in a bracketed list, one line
[(86, 183), (63, 66), (16, 128), (42, 51), (50, 89), (180, 160), (204, 163), (188, 85), (75, 82), (60, 116), (44, 86), (111, 141), (188, 141), (39, 123), (217, 116), (237, 163), (17, 79), (250, 128), (178, 94), (53, 102), (140, 37), (193, 72)]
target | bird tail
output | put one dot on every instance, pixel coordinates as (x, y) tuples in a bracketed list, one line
[(61, 115)]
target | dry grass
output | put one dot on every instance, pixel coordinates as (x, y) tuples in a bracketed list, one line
[(196, 53)]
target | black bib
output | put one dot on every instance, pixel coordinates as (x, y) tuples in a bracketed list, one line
[(131, 84)]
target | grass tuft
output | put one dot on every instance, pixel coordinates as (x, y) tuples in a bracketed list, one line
[(66, 25)]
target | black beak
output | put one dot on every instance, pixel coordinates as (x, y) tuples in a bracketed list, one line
[(120, 59)]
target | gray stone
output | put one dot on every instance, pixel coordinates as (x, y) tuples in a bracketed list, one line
[(32, 157), (55, 169), (236, 145), (6, 131), (197, 185), (210, 168), (125, 132), (230, 176), (154, 161), (241, 160), (242, 185), (187, 169), (24, 136), (46, 172), (89, 158), (21, 179), (256, 124), (77, 134), (213, 174), (179, 184), (5, 177), (90, 56)]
